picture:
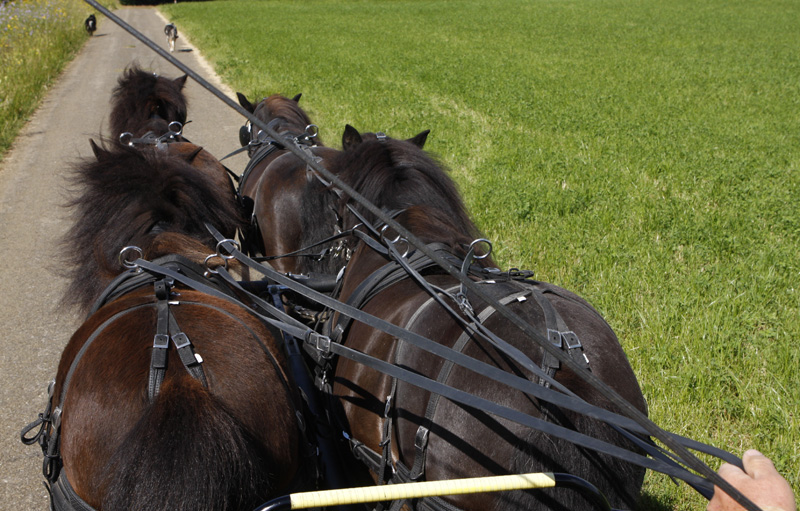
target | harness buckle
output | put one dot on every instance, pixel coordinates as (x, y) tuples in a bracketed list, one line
[(554, 336), (572, 340), (161, 341), (388, 406), (464, 305), (55, 421), (321, 342), (181, 340)]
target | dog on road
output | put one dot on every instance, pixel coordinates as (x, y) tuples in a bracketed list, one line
[(172, 35), (90, 24)]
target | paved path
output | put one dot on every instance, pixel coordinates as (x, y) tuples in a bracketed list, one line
[(31, 222)]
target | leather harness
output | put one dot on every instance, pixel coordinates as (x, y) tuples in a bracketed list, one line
[(506, 288), (62, 496)]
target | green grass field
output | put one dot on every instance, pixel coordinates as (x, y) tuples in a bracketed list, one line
[(37, 38), (643, 154)]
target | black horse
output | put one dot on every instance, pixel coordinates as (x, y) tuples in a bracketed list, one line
[(283, 192), (408, 433)]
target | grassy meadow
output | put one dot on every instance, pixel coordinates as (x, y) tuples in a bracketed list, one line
[(37, 39), (644, 154)]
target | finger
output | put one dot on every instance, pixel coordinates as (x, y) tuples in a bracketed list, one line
[(757, 465), (731, 472)]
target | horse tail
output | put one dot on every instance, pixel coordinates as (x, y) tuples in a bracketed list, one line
[(187, 452)]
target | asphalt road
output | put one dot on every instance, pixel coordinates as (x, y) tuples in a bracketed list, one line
[(32, 220)]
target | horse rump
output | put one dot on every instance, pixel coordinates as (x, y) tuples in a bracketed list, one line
[(619, 481), (187, 453)]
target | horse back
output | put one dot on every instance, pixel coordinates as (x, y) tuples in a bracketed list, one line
[(466, 442), (107, 395)]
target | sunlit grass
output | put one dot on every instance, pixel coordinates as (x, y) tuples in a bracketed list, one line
[(37, 39)]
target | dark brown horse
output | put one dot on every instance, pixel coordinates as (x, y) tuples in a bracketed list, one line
[(145, 102), (389, 420), (146, 106), (285, 195), (207, 422)]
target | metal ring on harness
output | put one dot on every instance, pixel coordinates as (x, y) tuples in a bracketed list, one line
[(488, 252), (126, 138), (175, 127), (209, 269), (221, 247), (130, 263), (388, 241), (312, 130)]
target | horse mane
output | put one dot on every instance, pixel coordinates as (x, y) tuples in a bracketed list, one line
[(318, 202), (398, 175), (140, 96), (148, 199), (288, 112)]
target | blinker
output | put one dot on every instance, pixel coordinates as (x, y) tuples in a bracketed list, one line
[(244, 134)]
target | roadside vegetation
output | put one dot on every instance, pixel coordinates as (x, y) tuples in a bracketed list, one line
[(643, 154), (37, 39)]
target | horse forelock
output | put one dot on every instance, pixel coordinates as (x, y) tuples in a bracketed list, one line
[(128, 197)]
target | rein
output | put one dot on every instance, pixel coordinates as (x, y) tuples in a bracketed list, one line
[(326, 348), (681, 452)]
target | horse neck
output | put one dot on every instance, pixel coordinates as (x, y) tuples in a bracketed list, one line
[(361, 265), (428, 227), (204, 162), (252, 176)]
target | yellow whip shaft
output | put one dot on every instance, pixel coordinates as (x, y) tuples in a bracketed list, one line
[(389, 492), (419, 490)]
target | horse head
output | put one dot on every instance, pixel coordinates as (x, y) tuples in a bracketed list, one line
[(399, 176), (286, 112), (155, 200), (145, 102)]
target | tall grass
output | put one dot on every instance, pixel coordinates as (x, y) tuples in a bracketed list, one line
[(644, 154), (37, 39)]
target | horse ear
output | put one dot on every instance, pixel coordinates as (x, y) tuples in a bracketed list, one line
[(99, 153), (245, 102), (181, 82), (296, 99), (191, 156), (419, 139), (350, 138)]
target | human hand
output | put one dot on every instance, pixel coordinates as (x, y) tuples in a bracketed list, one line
[(759, 482)]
